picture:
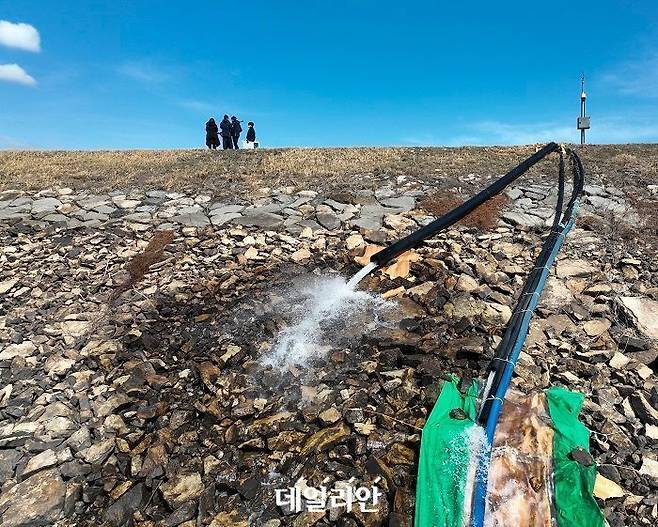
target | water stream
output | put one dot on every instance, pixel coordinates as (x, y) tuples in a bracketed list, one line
[(324, 313)]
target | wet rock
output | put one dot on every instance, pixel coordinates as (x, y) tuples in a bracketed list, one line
[(121, 511), (643, 408), (185, 512), (326, 438)]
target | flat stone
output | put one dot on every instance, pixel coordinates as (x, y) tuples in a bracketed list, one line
[(98, 452), (9, 458), (218, 208), (55, 218), (24, 349), (37, 501), (368, 223), (597, 327), (190, 209), (607, 205), (402, 203), (568, 268), (522, 219), (91, 215), (514, 193), (326, 438), (12, 214), (555, 296), (594, 190), (124, 203), (336, 205), (181, 488), (300, 255), (265, 220), (643, 409), (543, 213), (121, 511), (157, 194), (192, 220), (91, 202), (354, 241), (643, 313), (649, 467), (220, 219), (7, 285), (45, 459), (466, 283), (41, 206), (328, 220), (139, 217)]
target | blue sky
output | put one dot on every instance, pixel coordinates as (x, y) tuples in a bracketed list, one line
[(147, 74)]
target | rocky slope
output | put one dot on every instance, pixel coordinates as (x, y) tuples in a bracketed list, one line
[(154, 409)]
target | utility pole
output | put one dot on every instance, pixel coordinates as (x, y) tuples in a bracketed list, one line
[(583, 120)]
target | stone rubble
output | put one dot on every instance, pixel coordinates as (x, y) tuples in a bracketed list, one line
[(156, 412)]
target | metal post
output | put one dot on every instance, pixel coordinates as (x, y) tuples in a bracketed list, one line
[(583, 120)]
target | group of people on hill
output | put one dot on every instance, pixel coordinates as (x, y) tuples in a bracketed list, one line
[(229, 130)]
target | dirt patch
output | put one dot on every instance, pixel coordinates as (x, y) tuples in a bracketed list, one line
[(484, 218)]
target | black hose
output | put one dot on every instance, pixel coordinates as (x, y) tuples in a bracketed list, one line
[(502, 354), (448, 219)]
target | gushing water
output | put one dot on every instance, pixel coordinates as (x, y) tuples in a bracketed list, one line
[(354, 281), (324, 313)]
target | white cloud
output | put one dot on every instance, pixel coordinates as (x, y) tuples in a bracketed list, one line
[(496, 132), (606, 129), (637, 77), (14, 73), (21, 36), (143, 72), (198, 105)]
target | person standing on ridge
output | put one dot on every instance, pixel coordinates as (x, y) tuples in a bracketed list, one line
[(236, 130), (225, 126), (212, 137), (251, 133)]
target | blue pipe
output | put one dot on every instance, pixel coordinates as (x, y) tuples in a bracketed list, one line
[(480, 491)]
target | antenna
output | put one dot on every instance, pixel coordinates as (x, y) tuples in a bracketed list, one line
[(583, 120)]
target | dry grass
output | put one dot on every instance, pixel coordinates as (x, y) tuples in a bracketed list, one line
[(231, 173), (142, 262)]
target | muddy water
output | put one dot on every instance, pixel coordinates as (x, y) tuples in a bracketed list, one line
[(520, 483)]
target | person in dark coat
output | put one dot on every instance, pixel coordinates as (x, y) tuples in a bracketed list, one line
[(236, 130), (225, 126), (251, 133), (212, 134)]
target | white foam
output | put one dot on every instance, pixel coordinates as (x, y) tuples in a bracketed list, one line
[(323, 312)]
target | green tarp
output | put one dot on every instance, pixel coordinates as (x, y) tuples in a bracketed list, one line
[(573, 481), (445, 459)]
